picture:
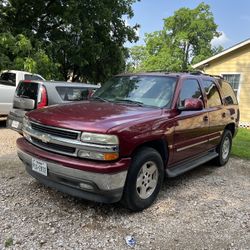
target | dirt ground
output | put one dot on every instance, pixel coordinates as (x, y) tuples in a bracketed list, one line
[(207, 208)]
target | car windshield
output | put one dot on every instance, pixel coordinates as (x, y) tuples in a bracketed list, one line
[(155, 91)]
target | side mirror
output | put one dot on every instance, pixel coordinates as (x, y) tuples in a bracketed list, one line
[(27, 104), (192, 104)]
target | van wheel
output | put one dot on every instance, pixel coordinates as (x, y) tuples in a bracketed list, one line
[(224, 148), (144, 179)]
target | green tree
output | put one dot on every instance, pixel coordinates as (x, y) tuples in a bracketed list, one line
[(17, 52), (137, 54), (85, 37), (185, 39)]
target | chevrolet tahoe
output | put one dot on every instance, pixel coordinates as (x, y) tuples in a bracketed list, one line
[(134, 131)]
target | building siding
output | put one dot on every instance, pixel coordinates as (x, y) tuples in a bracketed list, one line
[(237, 61)]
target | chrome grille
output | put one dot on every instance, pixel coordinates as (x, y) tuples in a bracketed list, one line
[(55, 131), (59, 140), (53, 146)]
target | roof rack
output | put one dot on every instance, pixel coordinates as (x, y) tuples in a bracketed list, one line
[(204, 74), (197, 72)]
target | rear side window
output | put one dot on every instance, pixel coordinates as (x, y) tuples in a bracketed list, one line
[(27, 90), (73, 93), (8, 79), (190, 89), (213, 96), (32, 77), (228, 92)]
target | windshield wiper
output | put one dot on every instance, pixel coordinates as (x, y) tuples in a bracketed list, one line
[(130, 101), (99, 98)]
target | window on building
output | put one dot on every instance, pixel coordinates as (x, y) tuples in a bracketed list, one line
[(234, 80)]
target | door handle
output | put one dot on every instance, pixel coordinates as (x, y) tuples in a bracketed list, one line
[(205, 118)]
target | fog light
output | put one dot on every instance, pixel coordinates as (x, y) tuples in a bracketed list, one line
[(85, 186)]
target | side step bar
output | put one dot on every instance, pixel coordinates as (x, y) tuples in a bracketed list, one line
[(188, 165)]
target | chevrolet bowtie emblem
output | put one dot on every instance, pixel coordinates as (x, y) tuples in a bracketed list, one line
[(44, 138)]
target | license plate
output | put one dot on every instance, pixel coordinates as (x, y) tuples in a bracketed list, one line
[(15, 124), (39, 166)]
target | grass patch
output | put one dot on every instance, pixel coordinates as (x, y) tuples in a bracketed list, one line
[(8, 242), (241, 144)]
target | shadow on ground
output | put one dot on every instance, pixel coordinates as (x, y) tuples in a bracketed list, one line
[(2, 124)]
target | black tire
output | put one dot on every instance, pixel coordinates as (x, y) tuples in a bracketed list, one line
[(147, 159), (226, 142)]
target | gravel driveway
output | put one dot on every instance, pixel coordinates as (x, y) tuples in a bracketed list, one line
[(207, 208)]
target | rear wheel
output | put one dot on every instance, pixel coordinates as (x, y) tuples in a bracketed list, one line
[(224, 148), (144, 180)]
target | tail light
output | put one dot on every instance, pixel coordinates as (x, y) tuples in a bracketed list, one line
[(91, 92), (42, 98)]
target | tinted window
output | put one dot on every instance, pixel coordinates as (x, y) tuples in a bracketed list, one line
[(228, 92), (190, 89), (27, 90), (32, 77), (213, 96), (73, 93), (154, 91), (8, 79)]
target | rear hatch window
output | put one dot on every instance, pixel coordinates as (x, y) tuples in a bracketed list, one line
[(73, 93), (26, 95), (27, 90)]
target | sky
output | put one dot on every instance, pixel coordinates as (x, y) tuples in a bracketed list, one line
[(231, 16)]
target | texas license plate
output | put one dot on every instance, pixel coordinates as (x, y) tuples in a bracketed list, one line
[(15, 124), (39, 166)]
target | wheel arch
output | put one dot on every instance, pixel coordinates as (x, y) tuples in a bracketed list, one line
[(160, 145), (231, 128)]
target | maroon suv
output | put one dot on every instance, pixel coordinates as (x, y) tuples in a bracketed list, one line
[(135, 130)]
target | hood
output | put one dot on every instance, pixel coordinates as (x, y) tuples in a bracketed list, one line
[(92, 116)]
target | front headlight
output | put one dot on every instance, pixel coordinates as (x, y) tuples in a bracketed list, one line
[(105, 148), (99, 138)]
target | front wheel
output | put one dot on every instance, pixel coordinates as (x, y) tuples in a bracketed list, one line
[(224, 148), (144, 179)]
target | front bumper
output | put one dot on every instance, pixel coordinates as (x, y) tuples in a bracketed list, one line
[(15, 120), (100, 187)]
